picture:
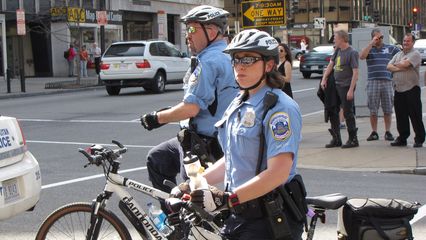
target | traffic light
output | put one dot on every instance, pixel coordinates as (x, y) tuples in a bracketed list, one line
[(376, 16), (294, 8), (367, 2), (415, 11)]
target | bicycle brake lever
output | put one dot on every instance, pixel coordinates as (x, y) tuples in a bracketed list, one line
[(118, 143)]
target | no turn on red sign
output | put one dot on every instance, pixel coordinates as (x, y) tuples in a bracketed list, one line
[(20, 21), (101, 17)]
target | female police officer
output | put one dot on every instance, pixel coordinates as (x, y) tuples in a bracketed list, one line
[(254, 57)]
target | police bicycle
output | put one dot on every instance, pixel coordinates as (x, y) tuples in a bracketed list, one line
[(94, 221)]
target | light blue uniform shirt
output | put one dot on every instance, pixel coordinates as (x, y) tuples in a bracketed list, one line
[(239, 135), (213, 75)]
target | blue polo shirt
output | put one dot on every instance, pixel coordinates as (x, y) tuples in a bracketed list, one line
[(213, 78), (239, 135), (377, 61)]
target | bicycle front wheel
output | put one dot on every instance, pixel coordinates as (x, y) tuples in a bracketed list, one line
[(72, 222)]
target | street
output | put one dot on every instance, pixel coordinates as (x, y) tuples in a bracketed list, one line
[(55, 126)]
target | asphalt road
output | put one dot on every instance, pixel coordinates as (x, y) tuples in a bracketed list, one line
[(56, 125)]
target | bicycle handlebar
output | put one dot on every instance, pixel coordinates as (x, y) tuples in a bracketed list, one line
[(101, 153)]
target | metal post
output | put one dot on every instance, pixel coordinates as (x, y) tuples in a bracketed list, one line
[(102, 30), (322, 36), (21, 55)]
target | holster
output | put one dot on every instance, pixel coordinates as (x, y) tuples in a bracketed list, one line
[(206, 148), (274, 211), (294, 196)]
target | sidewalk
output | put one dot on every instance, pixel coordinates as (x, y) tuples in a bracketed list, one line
[(45, 85), (376, 156)]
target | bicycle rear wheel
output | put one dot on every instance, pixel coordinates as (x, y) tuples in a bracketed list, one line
[(72, 221)]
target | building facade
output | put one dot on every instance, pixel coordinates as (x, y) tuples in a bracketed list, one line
[(51, 25), (339, 14)]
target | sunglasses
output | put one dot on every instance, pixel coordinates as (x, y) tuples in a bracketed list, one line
[(191, 29), (245, 61)]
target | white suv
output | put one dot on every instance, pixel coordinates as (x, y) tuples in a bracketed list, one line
[(420, 45), (20, 179), (149, 64)]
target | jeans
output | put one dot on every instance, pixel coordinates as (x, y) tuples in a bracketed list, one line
[(83, 68)]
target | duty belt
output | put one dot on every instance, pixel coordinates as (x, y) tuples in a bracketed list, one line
[(249, 210)]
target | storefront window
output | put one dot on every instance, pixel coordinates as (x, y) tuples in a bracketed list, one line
[(139, 30), (29, 6), (59, 3), (88, 4), (74, 3), (12, 5), (111, 36), (44, 7)]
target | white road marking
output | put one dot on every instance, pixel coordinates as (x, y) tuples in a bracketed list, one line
[(420, 214), (74, 121), (58, 184), (313, 113), (304, 90), (85, 143)]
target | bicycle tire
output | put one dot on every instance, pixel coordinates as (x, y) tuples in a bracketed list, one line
[(73, 220)]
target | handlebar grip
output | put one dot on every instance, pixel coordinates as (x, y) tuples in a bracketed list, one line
[(86, 154), (118, 143), (92, 159), (200, 211)]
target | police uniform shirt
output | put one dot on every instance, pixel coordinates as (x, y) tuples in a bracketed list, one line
[(212, 75), (239, 135)]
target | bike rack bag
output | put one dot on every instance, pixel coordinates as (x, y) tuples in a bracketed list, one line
[(376, 218)]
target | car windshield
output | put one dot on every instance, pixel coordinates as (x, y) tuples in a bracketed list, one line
[(323, 49), (125, 50)]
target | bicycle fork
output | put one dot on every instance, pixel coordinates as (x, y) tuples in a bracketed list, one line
[(95, 220)]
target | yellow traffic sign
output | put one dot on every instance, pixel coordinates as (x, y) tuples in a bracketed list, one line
[(263, 13)]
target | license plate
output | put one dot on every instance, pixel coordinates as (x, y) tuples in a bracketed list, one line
[(120, 65), (314, 67), (11, 190)]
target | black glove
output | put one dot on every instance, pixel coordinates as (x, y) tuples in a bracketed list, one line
[(181, 189), (211, 199), (150, 120)]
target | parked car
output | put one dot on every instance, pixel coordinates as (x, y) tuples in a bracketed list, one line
[(316, 60), (20, 179), (420, 45), (296, 53), (149, 64)]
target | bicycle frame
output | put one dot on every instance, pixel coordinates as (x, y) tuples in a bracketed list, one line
[(132, 210)]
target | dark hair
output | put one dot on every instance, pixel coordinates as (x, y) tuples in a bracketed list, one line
[(412, 36), (278, 39), (288, 56), (274, 79)]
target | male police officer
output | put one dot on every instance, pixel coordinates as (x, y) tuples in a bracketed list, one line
[(209, 88)]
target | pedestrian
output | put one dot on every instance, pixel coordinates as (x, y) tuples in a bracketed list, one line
[(344, 64), (379, 83), (84, 57), (249, 180), (285, 67), (209, 88), (408, 105), (70, 59), (303, 45), (96, 52)]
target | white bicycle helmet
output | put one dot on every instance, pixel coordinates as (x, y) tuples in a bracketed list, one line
[(206, 14), (254, 40)]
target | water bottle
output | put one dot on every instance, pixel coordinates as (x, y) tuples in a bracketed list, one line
[(158, 217), (194, 170)]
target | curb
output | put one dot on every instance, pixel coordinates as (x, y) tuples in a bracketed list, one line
[(51, 92)]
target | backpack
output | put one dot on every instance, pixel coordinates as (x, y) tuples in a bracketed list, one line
[(66, 54), (377, 218)]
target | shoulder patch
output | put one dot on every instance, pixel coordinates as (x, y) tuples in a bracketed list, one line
[(280, 126), (193, 79)]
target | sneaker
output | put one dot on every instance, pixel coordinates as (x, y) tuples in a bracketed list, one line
[(373, 136), (388, 136), (417, 145), (399, 143)]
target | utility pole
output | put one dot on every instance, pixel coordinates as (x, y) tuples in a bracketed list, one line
[(321, 7), (21, 54), (102, 29)]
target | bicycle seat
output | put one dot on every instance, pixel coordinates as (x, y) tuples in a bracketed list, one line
[(329, 201)]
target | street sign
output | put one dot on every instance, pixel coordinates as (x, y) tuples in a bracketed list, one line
[(319, 23), (263, 13), (20, 21), (101, 18)]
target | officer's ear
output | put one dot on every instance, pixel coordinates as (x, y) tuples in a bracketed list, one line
[(270, 65)]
